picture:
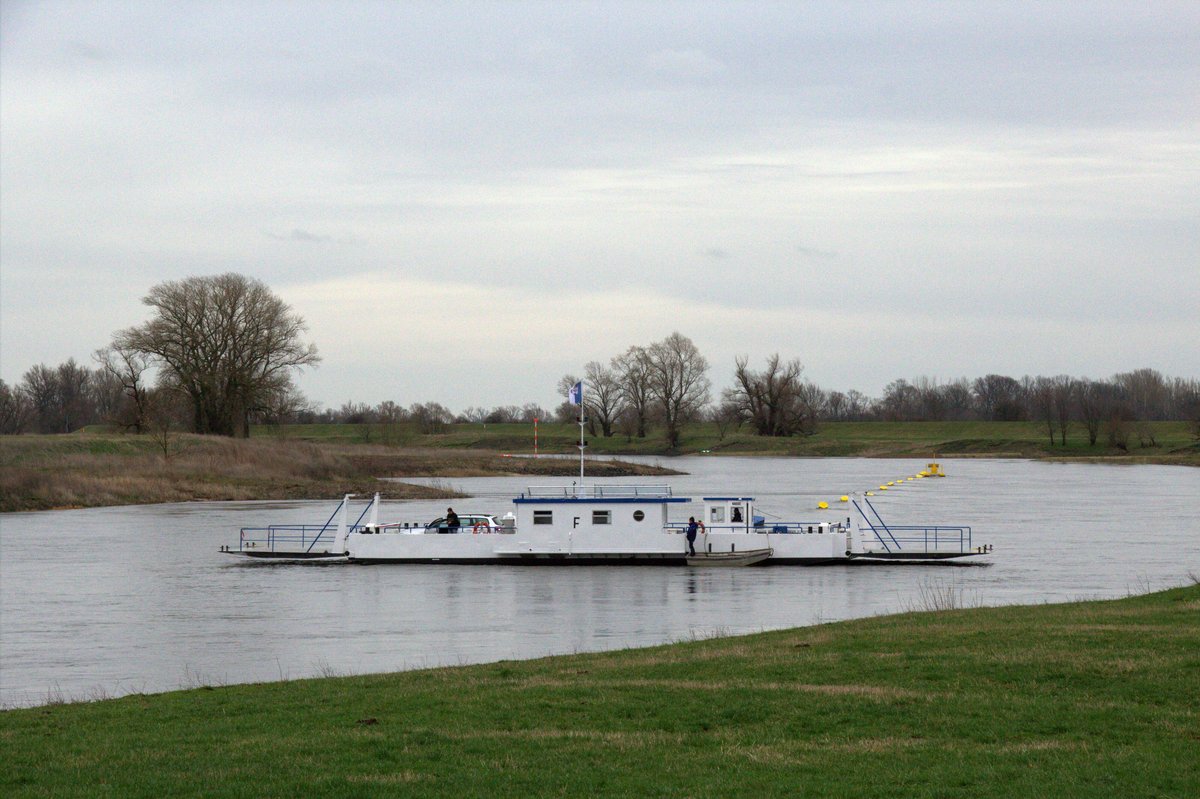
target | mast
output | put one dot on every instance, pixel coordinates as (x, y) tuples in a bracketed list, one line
[(582, 441)]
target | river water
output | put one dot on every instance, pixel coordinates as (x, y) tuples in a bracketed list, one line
[(111, 601)]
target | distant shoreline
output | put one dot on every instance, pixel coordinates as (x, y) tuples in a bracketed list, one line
[(97, 467)]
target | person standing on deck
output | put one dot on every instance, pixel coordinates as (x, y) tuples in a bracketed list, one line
[(692, 528), (451, 521)]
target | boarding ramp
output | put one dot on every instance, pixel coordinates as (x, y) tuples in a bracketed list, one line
[(879, 540), (301, 541)]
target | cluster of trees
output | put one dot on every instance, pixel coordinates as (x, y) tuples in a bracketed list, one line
[(1118, 406), (222, 351), (58, 399), (430, 417), (665, 382)]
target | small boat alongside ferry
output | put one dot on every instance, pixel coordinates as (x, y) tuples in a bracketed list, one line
[(611, 524)]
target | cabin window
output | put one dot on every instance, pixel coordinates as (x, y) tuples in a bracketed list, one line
[(638, 515), (601, 517), (716, 516), (543, 517)]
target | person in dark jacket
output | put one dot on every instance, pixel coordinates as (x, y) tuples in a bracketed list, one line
[(451, 521), (692, 528)]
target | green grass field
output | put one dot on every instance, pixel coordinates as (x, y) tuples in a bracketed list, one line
[(1174, 442), (1093, 699)]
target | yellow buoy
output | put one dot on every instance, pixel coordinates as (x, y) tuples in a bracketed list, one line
[(845, 499), (890, 482), (870, 493), (823, 505), (883, 488)]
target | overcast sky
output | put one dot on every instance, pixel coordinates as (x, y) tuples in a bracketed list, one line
[(466, 201)]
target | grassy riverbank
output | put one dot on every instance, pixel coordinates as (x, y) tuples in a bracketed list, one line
[(1172, 441), (94, 469), (1094, 699)]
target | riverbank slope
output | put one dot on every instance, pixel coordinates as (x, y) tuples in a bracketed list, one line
[(1090, 699), (98, 467), (1149, 442), (90, 469)]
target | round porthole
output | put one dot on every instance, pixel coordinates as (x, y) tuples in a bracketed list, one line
[(638, 515)]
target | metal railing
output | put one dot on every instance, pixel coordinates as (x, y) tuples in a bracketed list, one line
[(915, 538), (295, 538), (776, 528), (598, 492), (944, 538)]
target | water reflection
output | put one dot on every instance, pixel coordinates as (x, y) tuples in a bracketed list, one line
[(116, 600)]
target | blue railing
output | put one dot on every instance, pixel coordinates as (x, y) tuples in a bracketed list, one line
[(793, 528), (930, 539)]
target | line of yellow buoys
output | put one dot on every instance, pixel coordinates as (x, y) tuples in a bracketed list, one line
[(932, 470)]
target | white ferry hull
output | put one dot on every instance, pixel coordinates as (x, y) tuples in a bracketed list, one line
[(611, 525)]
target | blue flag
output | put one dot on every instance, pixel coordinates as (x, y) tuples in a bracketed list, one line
[(575, 395)]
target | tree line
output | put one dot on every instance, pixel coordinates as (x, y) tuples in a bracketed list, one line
[(222, 352)]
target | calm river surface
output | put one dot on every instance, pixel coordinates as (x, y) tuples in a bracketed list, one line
[(111, 601)]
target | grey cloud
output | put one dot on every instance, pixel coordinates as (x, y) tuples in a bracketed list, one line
[(301, 235), (812, 252)]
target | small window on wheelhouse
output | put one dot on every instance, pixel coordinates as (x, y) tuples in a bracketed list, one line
[(601, 517), (543, 517), (638, 515)]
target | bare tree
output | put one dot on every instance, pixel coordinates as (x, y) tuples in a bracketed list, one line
[(15, 410), (957, 398), (1146, 392), (431, 417), (40, 386), (1041, 398), (836, 405), (75, 395), (930, 399), (679, 384), (633, 374), (602, 396), (901, 401), (998, 398), (474, 415), (225, 342), (724, 415), (390, 416), (1064, 402), (1091, 399), (856, 404), (531, 411), (128, 367), (774, 401)]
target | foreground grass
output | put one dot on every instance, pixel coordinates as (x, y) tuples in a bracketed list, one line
[(90, 469), (1097, 699), (1173, 441)]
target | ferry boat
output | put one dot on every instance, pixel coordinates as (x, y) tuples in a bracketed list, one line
[(612, 524)]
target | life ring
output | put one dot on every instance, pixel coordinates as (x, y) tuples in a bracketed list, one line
[(699, 527), (480, 527)]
